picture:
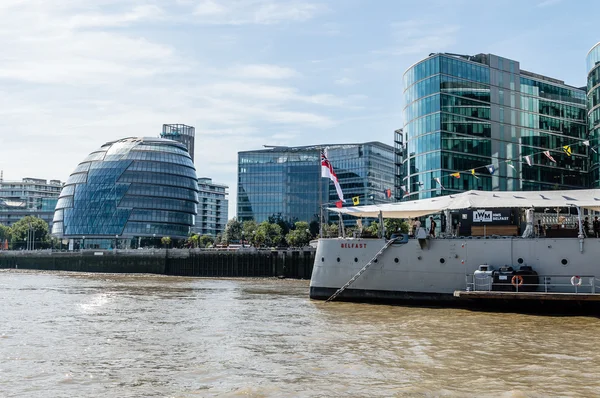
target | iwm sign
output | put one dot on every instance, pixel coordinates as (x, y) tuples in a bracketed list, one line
[(491, 217)]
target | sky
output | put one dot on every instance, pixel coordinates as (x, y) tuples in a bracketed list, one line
[(75, 74)]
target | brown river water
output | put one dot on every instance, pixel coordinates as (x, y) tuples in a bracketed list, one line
[(106, 335)]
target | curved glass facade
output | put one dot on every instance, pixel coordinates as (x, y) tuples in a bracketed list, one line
[(469, 112), (593, 97), (134, 187)]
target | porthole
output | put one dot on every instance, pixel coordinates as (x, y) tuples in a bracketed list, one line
[(355, 259), (338, 259), (520, 260), (396, 260), (442, 260), (564, 261), (322, 259), (375, 260)]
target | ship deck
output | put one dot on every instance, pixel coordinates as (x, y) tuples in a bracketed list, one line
[(538, 296)]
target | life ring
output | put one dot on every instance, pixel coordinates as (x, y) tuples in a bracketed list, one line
[(576, 280), (517, 280)]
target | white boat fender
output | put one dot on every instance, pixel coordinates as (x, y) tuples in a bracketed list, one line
[(576, 280)]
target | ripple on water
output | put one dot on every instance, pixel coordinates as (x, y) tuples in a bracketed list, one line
[(69, 334)]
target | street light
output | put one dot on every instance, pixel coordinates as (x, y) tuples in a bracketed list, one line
[(116, 241), (83, 246)]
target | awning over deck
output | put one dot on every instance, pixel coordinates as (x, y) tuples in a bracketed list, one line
[(584, 198)]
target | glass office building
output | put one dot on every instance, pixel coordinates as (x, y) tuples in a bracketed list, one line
[(130, 188), (283, 182), (593, 97), (180, 133), (471, 112)]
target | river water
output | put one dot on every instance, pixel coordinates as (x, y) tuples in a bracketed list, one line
[(91, 335)]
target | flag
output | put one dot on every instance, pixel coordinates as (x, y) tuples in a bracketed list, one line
[(327, 172), (355, 200), (509, 164), (455, 175), (403, 188), (491, 168), (437, 179), (339, 204), (388, 193), (547, 153), (528, 160), (567, 150), (473, 174)]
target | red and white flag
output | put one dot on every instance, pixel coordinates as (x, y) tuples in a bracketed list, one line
[(547, 153), (327, 172)]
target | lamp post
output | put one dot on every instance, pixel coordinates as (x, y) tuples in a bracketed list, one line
[(242, 239), (83, 245), (153, 240), (116, 241)]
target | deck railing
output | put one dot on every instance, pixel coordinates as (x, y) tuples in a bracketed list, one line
[(585, 284)]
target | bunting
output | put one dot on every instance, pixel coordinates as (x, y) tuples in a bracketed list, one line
[(547, 153), (529, 159), (356, 200)]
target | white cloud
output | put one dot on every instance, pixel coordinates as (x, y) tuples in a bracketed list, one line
[(419, 37), (548, 3), (262, 71), (262, 12), (346, 81)]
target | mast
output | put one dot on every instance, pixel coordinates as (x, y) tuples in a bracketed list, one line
[(320, 179)]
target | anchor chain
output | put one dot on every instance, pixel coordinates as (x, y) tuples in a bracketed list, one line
[(363, 269)]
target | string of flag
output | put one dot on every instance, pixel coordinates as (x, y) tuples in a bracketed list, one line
[(529, 160)]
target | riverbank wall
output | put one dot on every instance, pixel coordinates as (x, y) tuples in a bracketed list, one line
[(295, 264)]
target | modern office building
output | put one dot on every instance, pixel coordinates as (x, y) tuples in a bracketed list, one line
[(213, 208), (593, 102), (285, 182), (30, 191), (180, 133), (486, 119), (130, 188)]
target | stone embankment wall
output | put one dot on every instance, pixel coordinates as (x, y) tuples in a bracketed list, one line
[(182, 262)]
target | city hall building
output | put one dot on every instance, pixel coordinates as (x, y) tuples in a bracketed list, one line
[(128, 189)]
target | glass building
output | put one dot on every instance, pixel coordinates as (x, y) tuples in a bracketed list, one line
[(180, 133), (130, 188), (213, 208), (283, 182), (593, 97), (471, 112), (31, 191)]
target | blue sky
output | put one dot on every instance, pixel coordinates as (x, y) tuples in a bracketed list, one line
[(76, 74)]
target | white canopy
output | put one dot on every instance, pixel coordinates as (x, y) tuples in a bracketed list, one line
[(584, 198)]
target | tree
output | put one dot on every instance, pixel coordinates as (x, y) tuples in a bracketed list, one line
[(166, 241), (192, 241), (393, 225), (20, 232), (268, 234), (5, 233), (331, 230), (233, 231), (206, 240), (300, 236), (249, 228)]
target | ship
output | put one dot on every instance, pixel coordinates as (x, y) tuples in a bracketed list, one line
[(557, 268)]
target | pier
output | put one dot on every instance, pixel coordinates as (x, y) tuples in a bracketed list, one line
[(295, 264)]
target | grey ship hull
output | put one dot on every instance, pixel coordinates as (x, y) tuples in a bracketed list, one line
[(407, 273)]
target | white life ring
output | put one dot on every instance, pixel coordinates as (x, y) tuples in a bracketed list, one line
[(576, 280)]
